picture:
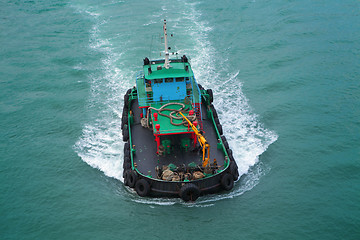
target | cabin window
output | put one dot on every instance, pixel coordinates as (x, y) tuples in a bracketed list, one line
[(179, 79), (158, 80), (169, 80)]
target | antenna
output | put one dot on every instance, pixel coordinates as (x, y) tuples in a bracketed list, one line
[(152, 38), (167, 61)]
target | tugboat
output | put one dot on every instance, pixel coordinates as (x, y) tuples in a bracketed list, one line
[(174, 143)]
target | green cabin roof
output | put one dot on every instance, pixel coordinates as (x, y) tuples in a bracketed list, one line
[(177, 69)]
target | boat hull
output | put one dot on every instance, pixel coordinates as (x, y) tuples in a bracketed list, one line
[(138, 162)]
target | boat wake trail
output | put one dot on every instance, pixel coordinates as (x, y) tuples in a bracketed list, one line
[(101, 144)]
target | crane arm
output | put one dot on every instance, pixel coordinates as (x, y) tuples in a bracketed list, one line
[(204, 144)]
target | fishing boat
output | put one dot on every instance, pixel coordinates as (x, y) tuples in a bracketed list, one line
[(174, 142)]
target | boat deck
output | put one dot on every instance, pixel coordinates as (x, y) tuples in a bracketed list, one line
[(144, 143)]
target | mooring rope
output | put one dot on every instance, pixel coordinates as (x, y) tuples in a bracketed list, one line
[(172, 112)]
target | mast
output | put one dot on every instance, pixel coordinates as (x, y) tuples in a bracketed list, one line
[(167, 61)]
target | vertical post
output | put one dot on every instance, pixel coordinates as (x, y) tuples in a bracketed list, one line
[(195, 138), (167, 62), (157, 139)]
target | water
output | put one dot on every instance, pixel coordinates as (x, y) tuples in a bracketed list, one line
[(285, 81)]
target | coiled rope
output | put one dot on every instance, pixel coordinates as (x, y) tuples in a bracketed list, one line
[(174, 113)]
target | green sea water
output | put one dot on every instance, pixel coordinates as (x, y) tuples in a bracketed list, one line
[(285, 76)]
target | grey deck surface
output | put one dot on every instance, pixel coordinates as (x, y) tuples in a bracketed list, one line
[(146, 158)]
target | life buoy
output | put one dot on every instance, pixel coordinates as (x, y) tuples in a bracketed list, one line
[(227, 182), (142, 187), (189, 192), (132, 178)]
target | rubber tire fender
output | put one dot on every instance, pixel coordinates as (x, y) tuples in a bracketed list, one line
[(127, 163), (124, 121), (211, 95), (142, 187), (127, 149), (132, 178), (189, 192), (126, 177), (227, 182), (124, 117), (125, 111), (126, 100), (125, 133), (220, 129), (229, 152), (225, 142), (234, 170), (212, 108)]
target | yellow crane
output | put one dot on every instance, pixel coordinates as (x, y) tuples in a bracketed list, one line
[(203, 143)]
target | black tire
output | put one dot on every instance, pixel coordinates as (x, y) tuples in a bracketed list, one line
[(234, 170), (125, 133), (126, 177), (216, 120), (124, 121), (211, 96), (212, 108), (127, 163), (225, 142), (229, 152), (127, 150), (126, 100), (124, 117), (227, 182), (200, 87), (220, 129), (142, 188), (132, 178), (189, 192), (125, 111)]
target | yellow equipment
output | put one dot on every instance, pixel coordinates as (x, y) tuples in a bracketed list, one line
[(203, 143)]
